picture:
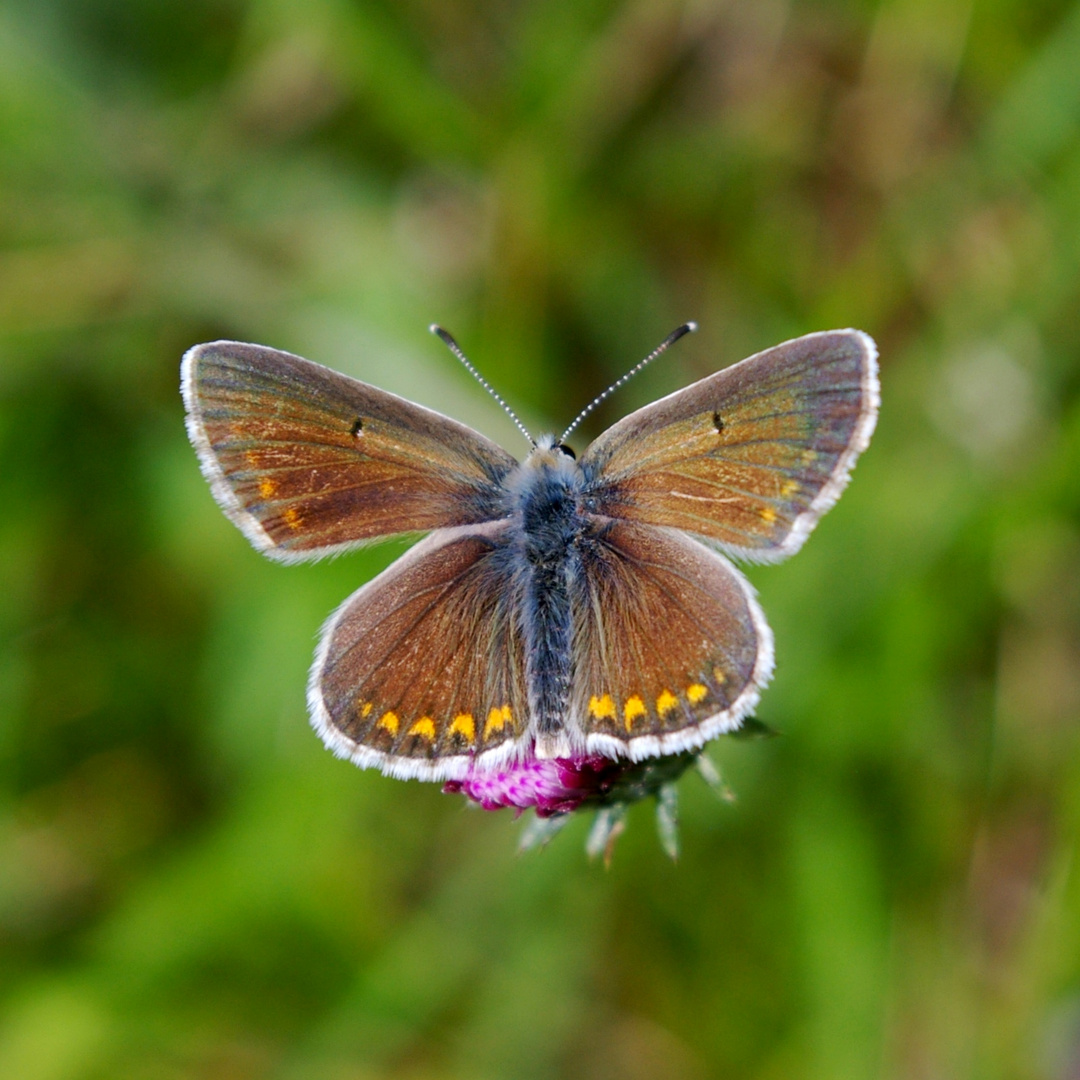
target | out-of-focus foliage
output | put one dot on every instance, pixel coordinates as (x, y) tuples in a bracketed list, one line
[(190, 886)]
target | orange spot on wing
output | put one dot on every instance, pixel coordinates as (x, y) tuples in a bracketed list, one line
[(267, 487), (666, 702), (293, 518), (602, 707), (789, 488), (696, 692), (497, 720), (768, 514), (425, 727), (719, 676), (633, 709), (365, 709), (389, 722), (465, 726)]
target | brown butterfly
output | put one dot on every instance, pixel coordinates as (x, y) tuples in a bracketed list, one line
[(558, 607)]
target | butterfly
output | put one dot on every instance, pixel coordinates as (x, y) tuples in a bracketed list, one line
[(558, 607)]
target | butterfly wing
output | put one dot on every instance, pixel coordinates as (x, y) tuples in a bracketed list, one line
[(421, 672), (307, 461), (750, 457), (671, 647)]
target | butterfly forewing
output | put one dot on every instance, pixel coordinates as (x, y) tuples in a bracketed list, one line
[(421, 671), (750, 457), (308, 461), (671, 646)]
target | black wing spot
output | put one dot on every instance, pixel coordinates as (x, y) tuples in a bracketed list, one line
[(718, 422), (357, 428)]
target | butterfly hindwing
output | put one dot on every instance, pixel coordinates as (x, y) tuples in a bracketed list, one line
[(307, 461), (671, 647), (750, 457), (421, 671)]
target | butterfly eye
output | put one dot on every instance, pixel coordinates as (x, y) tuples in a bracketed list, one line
[(566, 450)]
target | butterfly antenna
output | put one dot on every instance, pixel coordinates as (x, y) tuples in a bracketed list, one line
[(682, 331), (455, 348)]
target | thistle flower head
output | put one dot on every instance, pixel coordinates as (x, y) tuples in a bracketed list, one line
[(557, 787)]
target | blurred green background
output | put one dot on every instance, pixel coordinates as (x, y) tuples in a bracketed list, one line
[(190, 886)]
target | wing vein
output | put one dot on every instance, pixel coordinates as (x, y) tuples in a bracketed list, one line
[(443, 590)]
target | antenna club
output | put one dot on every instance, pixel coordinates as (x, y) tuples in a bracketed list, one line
[(453, 346), (678, 332)]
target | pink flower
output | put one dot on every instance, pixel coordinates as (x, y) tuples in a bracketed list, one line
[(552, 785), (557, 787)]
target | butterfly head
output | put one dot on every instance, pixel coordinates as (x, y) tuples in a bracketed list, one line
[(549, 462), (550, 450)]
